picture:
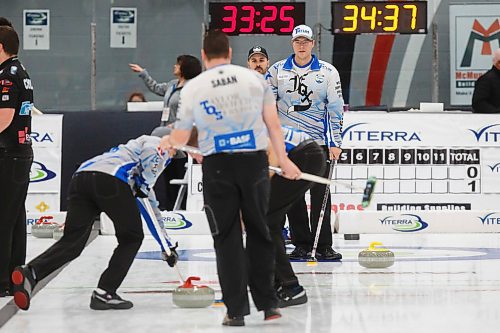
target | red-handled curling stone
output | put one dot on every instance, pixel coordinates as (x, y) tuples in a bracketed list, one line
[(192, 296)]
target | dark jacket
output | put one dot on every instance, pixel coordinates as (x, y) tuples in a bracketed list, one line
[(486, 98)]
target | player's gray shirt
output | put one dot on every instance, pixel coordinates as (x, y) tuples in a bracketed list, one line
[(226, 103)]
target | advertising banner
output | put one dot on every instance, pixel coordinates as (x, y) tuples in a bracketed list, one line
[(407, 222), (176, 223), (49, 216), (422, 161), (474, 35), (45, 175)]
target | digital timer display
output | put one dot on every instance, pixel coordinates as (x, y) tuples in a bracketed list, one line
[(239, 18), (358, 17)]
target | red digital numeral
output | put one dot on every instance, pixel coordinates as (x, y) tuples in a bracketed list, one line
[(250, 18), (231, 18), (284, 18), (274, 13)]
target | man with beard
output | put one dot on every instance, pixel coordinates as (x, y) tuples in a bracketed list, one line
[(258, 60)]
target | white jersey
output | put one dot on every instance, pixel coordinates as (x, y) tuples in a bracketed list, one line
[(293, 137), (309, 98), (226, 104)]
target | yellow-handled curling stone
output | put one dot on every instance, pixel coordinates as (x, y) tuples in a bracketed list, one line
[(192, 296), (376, 257)]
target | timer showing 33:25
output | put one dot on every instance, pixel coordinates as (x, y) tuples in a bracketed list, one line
[(240, 18), (358, 17)]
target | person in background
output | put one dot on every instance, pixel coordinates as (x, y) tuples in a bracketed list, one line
[(309, 97), (16, 154), (186, 68), (5, 22), (258, 60), (136, 96), (486, 97)]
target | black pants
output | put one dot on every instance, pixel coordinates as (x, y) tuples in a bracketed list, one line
[(298, 218), (91, 193), (234, 183), (14, 180), (166, 193), (309, 158)]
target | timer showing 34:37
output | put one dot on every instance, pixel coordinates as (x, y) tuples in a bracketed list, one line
[(358, 17), (239, 18)]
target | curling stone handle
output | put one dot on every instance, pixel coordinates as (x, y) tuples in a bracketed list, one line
[(373, 245), (188, 284)]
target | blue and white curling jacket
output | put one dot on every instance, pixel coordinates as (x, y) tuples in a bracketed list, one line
[(309, 98), (137, 163)]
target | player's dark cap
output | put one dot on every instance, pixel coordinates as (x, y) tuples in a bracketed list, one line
[(257, 50)]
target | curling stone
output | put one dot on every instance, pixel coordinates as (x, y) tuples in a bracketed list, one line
[(374, 257), (58, 232), (44, 228), (192, 296)]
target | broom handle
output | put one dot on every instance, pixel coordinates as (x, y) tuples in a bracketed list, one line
[(163, 242)]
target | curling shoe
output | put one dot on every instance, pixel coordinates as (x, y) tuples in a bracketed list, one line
[(299, 253), (272, 313), (102, 300), (328, 253), (291, 296), (23, 283), (233, 321)]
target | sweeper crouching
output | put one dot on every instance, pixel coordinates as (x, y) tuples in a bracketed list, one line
[(109, 183)]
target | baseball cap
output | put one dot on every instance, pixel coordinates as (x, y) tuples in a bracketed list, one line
[(256, 50), (302, 31)]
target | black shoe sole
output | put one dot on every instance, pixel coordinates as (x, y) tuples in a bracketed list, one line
[(98, 305), (292, 302), (233, 322), (22, 296)]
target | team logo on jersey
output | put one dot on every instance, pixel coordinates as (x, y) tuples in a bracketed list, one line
[(319, 78), (13, 70), (234, 141), (282, 76), (302, 89), (211, 110), (25, 108), (5, 98)]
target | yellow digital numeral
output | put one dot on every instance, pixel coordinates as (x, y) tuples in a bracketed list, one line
[(394, 17), (353, 17), (370, 18), (413, 9)]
